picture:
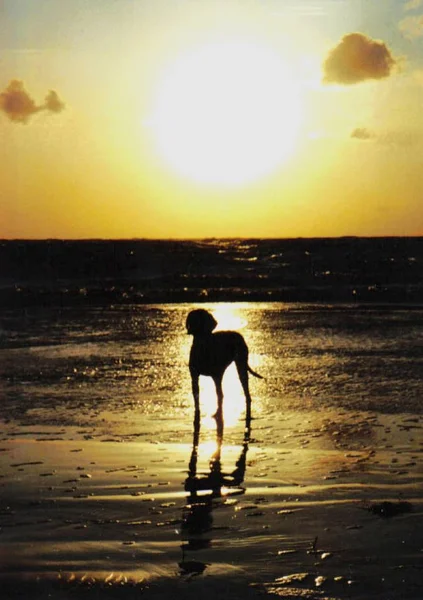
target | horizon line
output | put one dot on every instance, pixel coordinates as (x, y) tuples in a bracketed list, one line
[(206, 238)]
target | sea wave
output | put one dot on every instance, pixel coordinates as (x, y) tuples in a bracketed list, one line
[(107, 272)]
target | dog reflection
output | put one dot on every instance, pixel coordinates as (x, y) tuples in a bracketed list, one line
[(205, 490)]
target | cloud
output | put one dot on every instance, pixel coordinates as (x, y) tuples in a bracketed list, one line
[(53, 102), (357, 58), (16, 103), (361, 133), (413, 4), (412, 27), (403, 138), (19, 107)]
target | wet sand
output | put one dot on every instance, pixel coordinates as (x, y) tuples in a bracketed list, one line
[(312, 505)]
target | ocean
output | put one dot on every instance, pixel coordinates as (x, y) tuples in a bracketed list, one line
[(100, 273)]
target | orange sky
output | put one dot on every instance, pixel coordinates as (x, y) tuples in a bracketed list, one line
[(213, 119)]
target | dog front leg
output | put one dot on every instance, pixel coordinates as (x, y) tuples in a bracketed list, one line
[(219, 391)]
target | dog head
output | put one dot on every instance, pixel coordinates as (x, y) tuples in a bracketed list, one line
[(200, 322)]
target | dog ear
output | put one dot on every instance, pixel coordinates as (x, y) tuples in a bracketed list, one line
[(200, 321)]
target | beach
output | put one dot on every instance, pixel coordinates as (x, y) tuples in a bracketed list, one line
[(108, 489)]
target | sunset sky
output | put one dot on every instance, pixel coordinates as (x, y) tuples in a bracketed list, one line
[(208, 118)]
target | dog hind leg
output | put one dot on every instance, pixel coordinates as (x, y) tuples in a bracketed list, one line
[(242, 368), (195, 392)]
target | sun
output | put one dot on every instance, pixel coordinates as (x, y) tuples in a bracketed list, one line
[(227, 112)]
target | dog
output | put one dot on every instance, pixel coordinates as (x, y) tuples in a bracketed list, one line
[(212, 353)]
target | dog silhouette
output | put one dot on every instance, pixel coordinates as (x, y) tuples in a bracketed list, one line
[(212, 353)]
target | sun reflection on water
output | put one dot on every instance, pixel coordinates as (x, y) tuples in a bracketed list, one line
[(234, 401), (229, 316), (208, 448)]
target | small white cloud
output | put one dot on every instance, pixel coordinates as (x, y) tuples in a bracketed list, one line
[(412, 27), (413, 4)]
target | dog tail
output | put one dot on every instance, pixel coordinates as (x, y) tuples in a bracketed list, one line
[(254, 373)]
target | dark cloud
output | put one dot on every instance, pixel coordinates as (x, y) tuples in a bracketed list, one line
[(361, 133), (18, 105), (53, 102), (357, 58), (404, 138)]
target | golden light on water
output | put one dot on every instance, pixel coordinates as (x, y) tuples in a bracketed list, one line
[(233, 403), (229, 316), (208, 449)]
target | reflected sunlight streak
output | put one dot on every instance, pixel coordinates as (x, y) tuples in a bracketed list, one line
[(228, 317), (233, 403)]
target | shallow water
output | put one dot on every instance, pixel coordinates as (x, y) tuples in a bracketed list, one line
[(58, 366)]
